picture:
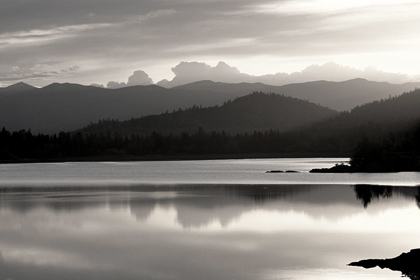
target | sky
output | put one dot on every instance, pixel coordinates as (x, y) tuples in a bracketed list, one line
[(102, 41)]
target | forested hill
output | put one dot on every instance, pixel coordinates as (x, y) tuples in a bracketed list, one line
[(255, 112), (337, 134), (391, 125), (373, 121)]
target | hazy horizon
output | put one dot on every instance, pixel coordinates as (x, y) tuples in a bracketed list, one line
[(190, 72)]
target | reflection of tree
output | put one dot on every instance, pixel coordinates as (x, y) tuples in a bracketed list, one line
[(366, 193), (418, 197)]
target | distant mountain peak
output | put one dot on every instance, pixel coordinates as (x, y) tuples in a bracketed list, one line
[(21, 86), (358, 80), (63, 86), (151, 87)]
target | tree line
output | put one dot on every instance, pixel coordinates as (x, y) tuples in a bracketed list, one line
[(24, 144), (392, 152)]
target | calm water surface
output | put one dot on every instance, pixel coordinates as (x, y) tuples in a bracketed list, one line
[(248, 171), (202, 220)]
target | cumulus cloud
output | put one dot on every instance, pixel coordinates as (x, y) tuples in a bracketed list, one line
[(188, 72), (139, 78), (333, 72), (113, 85), (164, 83), (97, 85)]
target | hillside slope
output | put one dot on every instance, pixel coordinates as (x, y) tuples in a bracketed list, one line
[(373, 121), (257, 111), (66, 107)]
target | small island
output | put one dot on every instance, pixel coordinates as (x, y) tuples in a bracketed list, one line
[(281, 171), (407, 263)]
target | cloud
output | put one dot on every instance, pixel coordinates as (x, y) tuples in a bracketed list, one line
[(157, 13), (97, 85), (188, 72), (35, 71), (38, 36), (46, 35), (139, 78), (332, 72), (114, 85)]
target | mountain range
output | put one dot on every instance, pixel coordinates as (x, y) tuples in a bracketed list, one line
[(68, 107), (283, 126)]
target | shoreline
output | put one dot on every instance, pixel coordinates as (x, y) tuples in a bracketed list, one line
[(342, 168), (177, 157)]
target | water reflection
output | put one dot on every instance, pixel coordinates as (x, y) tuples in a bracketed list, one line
[(212, 202), (203, 232), (367, 193)]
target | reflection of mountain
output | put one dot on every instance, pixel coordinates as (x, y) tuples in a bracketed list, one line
[(142, 208), (198, 206), (63, 201)]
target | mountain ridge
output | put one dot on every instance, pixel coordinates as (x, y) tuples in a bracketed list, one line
[(67, 107), (341, 96), (17, 88)]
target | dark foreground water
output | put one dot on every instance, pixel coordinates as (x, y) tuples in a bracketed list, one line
[(63, 224)]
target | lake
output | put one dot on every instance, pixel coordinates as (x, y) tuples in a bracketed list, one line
[(219, 219)]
